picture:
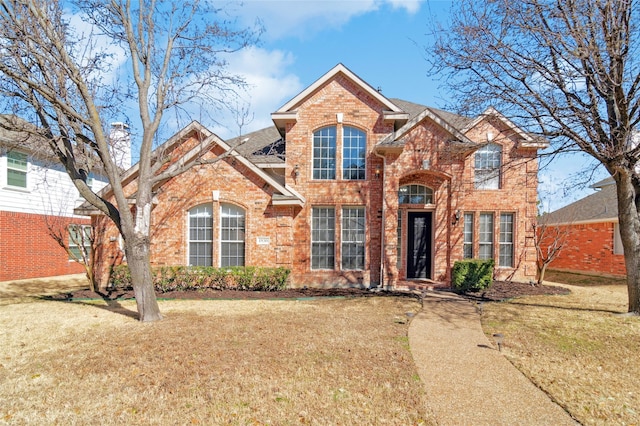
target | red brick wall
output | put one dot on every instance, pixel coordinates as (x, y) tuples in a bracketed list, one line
[(589, 248), (27, 250)]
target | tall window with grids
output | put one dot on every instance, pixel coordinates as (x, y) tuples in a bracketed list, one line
[(505, 256), (488, 161), (353, 238), (17, 169), (485, 236), (200, 235), (324, 153), (323, 226), (467, 242), (79, 242), (232, 231), (354, 146)]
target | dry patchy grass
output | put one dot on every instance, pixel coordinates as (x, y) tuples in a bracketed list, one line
[(579, 348), (325, 361)]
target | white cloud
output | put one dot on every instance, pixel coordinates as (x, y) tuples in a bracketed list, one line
[(282, 18)]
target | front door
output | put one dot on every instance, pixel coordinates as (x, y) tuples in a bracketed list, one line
[(419, 245)]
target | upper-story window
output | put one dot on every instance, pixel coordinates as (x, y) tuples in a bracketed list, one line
[(17, 169), (415, 194), (324, 153), (488, 161), (354, 147)]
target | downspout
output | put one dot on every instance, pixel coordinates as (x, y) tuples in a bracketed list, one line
[(384, 218)]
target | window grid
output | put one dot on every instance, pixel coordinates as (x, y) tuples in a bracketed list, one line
[(505, 256), (488, 161), (324, 153), (354, 145), (323, 238), (485, 237), (79, 242), (468, 236), (232, 235), (17, 169), (353, 238), (415, 194), (201, 235)]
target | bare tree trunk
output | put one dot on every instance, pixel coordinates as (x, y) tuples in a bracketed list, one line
[(541, 271), (142, 280), (629, 221)]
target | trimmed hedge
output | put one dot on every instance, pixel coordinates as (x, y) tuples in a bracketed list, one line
[(472, 274), (180, 278)]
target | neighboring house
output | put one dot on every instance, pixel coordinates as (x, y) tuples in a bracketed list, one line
[(37, 199), (347, 188), (592, 236)]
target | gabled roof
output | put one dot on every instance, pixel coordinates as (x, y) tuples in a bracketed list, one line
[(288, 112), (601, 206), (284, 194), (529, 141), (263, 147)]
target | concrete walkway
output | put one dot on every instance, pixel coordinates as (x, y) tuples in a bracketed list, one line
[(468, 381)]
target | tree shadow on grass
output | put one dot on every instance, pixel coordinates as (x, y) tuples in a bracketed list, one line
[(112, 305)]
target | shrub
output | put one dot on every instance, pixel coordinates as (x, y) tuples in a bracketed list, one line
[(472, 274), (181, 278)]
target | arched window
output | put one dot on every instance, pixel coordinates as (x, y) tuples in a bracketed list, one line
[(415, 194), (324, 153), (488, 161), (231, 235), (200, 235), (354, 148)]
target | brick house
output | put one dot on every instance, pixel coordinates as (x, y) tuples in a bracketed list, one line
[(591, 234), (37, 199), (348, 187)]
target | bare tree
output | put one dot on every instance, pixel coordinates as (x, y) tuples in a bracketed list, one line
[(57, 78), (549, 242), (568, 70)]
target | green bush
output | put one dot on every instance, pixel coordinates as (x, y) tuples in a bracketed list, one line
[(472, 274), (181, 278)]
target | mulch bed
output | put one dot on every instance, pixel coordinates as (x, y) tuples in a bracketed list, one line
[(499, 290)]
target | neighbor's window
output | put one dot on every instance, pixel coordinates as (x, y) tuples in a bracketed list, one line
[(415, 194), (467, 243), (17, 169), (505, 256), (324, 153), (485, 236), (231, 235), (353, 238), (323, 227), (354, 146), (200, 235), (79, 242), (488, 160)]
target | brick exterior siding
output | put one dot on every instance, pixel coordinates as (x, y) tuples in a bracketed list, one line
[(341, 102), (589, 249), (27, 249)]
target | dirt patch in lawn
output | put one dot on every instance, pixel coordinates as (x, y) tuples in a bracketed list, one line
[(502, 290)]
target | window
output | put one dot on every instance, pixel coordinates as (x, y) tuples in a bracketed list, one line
[(323, 238), (324, 153), (467, 241), (399, 242), (79, 242), (354, 146), (17, 169), (231, 235), (485, 239), (415, 194), (488, 160), (200, 235), (505, 257), (353, 238)]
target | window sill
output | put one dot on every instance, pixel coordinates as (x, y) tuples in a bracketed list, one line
[(17, 189)]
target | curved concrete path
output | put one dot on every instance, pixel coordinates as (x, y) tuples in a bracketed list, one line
[(468, 381)]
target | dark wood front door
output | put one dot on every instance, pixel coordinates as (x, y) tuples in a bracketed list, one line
[(419, 245)]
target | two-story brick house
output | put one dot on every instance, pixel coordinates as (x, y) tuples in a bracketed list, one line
[(348, 188)]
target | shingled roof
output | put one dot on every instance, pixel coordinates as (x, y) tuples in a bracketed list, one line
[(601, 206)]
